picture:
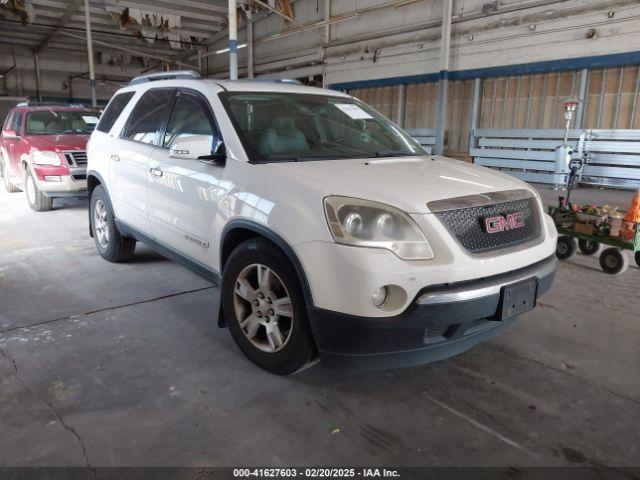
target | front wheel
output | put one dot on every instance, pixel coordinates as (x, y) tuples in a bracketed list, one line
[(613, 261), (111, 246), (37, 200), (9, 187), (264, 308)]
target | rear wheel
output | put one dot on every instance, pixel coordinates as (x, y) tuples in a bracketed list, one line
[(588, 247), (566, 248), (613, 261), (638, 259), (37, 200), (10, 187), (264, 308), (111, 246)]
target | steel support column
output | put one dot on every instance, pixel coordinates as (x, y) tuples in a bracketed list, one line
[(92, 73), (36, 64), (233, 40), (445, 47), (249, 41), (402, 96), (582, 98), (327, 39), (475, 111)]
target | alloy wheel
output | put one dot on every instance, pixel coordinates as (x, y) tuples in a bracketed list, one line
[(263, 308), (100, 223)]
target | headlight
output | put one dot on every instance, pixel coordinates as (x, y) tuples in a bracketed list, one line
[(369, 224), (45, 158)]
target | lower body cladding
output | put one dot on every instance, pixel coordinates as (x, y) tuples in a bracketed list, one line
[(441, 322)]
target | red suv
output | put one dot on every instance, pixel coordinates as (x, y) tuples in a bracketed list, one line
[(43, 152)]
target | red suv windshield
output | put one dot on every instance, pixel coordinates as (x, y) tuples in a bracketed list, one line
[(52, 122)]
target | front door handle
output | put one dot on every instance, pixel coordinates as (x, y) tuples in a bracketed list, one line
[(115, 158), (156, 171)]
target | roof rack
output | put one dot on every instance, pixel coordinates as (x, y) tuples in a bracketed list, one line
[(277, 80), (35, 103), (191, 74), (289, 80)]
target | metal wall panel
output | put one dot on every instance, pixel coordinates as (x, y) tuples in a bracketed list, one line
[(517, 102), (612, 157)]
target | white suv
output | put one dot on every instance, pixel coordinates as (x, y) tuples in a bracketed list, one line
[(330, 231)]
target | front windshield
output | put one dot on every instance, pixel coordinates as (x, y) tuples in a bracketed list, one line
[(280, 127), (52, 122)]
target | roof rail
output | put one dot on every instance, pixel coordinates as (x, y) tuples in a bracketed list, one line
[(36, 103), (289, 80), (277, 80), (165, 76)]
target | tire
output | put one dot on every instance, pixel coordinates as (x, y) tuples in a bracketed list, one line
[(614, 261), (588, 247), (9, 187), (638, 259), (566, 247), (35, 198), (111, 246), (289, 347)]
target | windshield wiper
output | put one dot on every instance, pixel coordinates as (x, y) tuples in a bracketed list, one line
[(318, 157), (394, 153)]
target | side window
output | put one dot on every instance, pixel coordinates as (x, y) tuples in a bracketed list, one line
[(17, 122), (113, 111), (147, 116), (8, 121), (190, 116)]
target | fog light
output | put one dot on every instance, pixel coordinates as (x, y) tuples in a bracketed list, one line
[(380, 296), (52, 178)]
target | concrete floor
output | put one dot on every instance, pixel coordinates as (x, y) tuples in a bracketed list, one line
[(123, 365)]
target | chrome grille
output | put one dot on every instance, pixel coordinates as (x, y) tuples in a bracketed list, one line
[(76, 159), (467, 224)]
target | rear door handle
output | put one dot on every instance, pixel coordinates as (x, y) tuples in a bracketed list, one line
[(115, 158), (156, 171)]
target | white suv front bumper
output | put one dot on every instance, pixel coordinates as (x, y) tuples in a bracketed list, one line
[(450, 303), (343, 278)]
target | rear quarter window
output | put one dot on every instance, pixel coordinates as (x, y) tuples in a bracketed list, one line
[(113, 111)]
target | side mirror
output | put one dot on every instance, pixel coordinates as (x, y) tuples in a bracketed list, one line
[(197, 147)]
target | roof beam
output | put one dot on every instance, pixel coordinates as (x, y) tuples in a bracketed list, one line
[(129, 50), (301, 26), (215, 17), (62, 21)]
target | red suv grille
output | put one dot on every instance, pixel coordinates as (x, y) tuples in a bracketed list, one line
[(76, 159)]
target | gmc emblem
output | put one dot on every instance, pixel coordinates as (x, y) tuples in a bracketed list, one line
[(502, 223)]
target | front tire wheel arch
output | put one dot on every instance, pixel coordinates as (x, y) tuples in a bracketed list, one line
[(118, 248), (300, 350), (239, 230)]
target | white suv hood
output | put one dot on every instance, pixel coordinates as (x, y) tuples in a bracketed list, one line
[(408, 183)]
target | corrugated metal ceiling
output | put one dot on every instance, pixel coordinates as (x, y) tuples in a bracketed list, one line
[(195, 20)]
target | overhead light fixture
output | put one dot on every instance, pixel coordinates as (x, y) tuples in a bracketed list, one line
[(225, 50)]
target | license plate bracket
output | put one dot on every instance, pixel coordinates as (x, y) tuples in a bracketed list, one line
[(518, 298)]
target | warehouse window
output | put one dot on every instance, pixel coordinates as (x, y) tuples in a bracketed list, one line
[(147, 116), (113, 111)]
